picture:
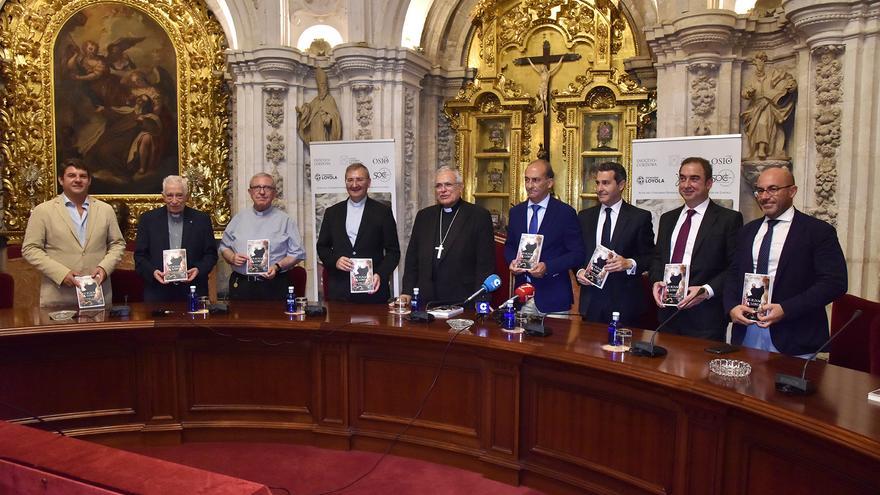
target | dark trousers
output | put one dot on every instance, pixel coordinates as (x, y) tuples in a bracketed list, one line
[(257, 288)]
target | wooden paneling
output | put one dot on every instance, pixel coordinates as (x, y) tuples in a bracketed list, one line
[(557, 413)]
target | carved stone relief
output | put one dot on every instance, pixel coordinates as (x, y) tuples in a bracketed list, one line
[(363, 97), (409, 156), (703, 88), (275, 147), (771, 95), (445, 138), (827, 123)]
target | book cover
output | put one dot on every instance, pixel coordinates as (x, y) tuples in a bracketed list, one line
[(89, 293), (595, 272), (174, 264), (874, 395), (675, 278), (757, 288), (258, 256), (361, 276), (529, 252)]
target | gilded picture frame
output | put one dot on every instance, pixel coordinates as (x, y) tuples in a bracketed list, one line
[(45, 47)]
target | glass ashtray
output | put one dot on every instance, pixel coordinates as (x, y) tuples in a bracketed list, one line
[(733, 368), (459, 324)]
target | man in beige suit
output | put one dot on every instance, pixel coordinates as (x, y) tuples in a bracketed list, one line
[(70, 235)]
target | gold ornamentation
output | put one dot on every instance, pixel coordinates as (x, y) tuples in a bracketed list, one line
[(489, 103), (513, 26), (618, 28), (27, 131), (576, 18), (601, 98)]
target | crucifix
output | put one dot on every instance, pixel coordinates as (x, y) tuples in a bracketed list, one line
[(541, 65)]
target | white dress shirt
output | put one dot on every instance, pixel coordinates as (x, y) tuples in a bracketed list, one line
[(78, 221), (696, 220), (615, 214), (541, 211), (780, 233)]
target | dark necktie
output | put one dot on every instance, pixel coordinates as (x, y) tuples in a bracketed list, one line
[(682, 239), (533, 223), (606, 229), (764, 251)]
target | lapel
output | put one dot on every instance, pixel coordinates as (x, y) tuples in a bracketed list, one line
[(546, 221), (590, 230), (342, 230), (361, 229), (666, 241), (187, 222), (62, 212), (462, 218), (705, 224), (620, 227), (794, 238)]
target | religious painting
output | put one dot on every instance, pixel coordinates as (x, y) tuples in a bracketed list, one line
[(115, 98)]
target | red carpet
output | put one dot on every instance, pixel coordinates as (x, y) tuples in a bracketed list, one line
[(305, 470)]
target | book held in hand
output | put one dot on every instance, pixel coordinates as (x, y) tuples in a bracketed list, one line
[(529, 252), (174, 264), (258, 256), (595, 272), (675, 280), (89, 293), (756, 291), (361, 276)]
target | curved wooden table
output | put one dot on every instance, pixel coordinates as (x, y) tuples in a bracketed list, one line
[(558, 413)]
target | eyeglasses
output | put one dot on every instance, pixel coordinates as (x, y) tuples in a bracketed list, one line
[(771, 190), (262, 188), (445, 185)]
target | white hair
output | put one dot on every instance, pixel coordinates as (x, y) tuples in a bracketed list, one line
[(447, 168), (175, 179)]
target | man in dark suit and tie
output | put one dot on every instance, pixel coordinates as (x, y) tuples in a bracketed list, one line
[(563, 246), (803, 256), (174, 226), (702, 235), (451, 249), (626, 230), (359, 227)]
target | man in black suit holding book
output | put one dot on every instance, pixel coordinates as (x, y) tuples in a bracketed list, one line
[(807, 266), (627, 231), (359, 227), (174, 226), (702, 235)]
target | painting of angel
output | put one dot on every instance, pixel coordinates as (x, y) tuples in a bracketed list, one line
[(116, 98)]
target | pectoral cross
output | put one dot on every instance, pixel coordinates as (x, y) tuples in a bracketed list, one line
[(546, 73), (439, 250)]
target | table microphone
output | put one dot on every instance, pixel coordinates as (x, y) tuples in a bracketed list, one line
[(491, 284), (789, 384), (648, 349)]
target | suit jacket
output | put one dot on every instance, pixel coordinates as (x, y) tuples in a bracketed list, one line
[(633, 237), (51, 245), (468, 256), (811, 273), (714, 249), (152, 239), (563, 250), (376, 239)]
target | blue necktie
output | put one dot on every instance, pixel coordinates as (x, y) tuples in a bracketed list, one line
[(533, 224), (764, 250)]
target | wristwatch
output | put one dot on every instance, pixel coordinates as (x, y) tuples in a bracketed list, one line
[(278, 268)]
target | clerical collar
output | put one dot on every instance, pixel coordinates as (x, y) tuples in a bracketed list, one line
[(357, 204), (175, 216), (264, 212), (450, 209)]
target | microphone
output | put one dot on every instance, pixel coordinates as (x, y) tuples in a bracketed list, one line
[(491, 284), (789, 384), (648, 349), (521, 294)]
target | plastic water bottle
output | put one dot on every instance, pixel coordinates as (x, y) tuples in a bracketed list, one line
[(291, 300), (612, 328), (414, 303), (193, 299), (509, 317)]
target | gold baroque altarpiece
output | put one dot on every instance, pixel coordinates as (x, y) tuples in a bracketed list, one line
[(584, 108), (28, 140)]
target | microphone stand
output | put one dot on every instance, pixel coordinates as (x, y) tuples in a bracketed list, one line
[(649, 349), (789, 384)]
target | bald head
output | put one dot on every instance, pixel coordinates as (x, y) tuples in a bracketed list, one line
[(539, 180), (775, 191)]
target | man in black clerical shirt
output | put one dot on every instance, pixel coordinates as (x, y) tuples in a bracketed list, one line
[(359, 227), (451, 248), (174, 226)]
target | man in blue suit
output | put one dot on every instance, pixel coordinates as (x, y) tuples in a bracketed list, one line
[(803, 255), (174, 226), (563, 246)]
